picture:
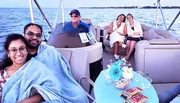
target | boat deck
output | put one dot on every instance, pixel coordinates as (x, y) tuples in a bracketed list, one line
[(107, 57)]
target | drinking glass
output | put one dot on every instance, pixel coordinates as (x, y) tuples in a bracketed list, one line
[(139, 76), (146, 83), (107, 78), (142, 80)]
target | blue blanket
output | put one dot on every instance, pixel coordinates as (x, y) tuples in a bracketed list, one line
[(72, 92), (31, 78)]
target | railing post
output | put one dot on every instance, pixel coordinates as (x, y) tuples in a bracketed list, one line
[(57, 15), (31, 11), (174, 20), (62, 6), (44, 17), (157, 13), (162, 15)]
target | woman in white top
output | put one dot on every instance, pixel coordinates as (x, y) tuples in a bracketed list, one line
[(117, 32), (135, 34)]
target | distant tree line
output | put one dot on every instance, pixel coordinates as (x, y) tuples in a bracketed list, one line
[(132, 7)]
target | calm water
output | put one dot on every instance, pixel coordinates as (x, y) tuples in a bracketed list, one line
[(13, 20)]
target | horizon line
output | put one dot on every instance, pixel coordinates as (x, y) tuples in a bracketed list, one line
[(94, 6)]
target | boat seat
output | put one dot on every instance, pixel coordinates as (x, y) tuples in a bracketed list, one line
[(78, 55), (106, 44), (79, 64), (158, 55), (80, 59)]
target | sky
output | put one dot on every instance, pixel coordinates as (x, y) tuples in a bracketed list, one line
[(86, 3)]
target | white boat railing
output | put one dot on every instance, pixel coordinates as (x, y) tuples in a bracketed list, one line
[(159, 6), (173, 20), (156, 15), (61, 5), (31, 11), (32, 16), (57, 16), (44, 17)]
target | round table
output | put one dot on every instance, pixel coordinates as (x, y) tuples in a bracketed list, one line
[(106, 92)]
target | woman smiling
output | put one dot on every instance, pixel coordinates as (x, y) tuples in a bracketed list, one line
[(25, 81)]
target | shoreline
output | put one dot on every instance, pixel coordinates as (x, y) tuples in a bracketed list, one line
[(132, 7)]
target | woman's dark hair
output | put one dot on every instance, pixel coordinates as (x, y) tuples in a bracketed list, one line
[(130, 15), (32, 24), (11, 37), (122, 15)]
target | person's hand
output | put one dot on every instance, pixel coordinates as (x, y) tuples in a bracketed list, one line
[(25, 101), (109, 32), (37, 98), (22, 101), (121, 34)]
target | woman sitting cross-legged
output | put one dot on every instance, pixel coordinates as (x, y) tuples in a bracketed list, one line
[(117, 32), (135, 34), (24, 79)]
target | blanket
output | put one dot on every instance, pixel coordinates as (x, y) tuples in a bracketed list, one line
[(31, 78), (72, 92)]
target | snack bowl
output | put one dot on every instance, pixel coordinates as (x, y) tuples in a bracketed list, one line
[(122, 83)]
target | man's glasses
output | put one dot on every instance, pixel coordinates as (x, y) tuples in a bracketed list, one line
[(31, 34), (74, 16), (14, 50)]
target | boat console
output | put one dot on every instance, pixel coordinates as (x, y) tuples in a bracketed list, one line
[(85, 59)]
